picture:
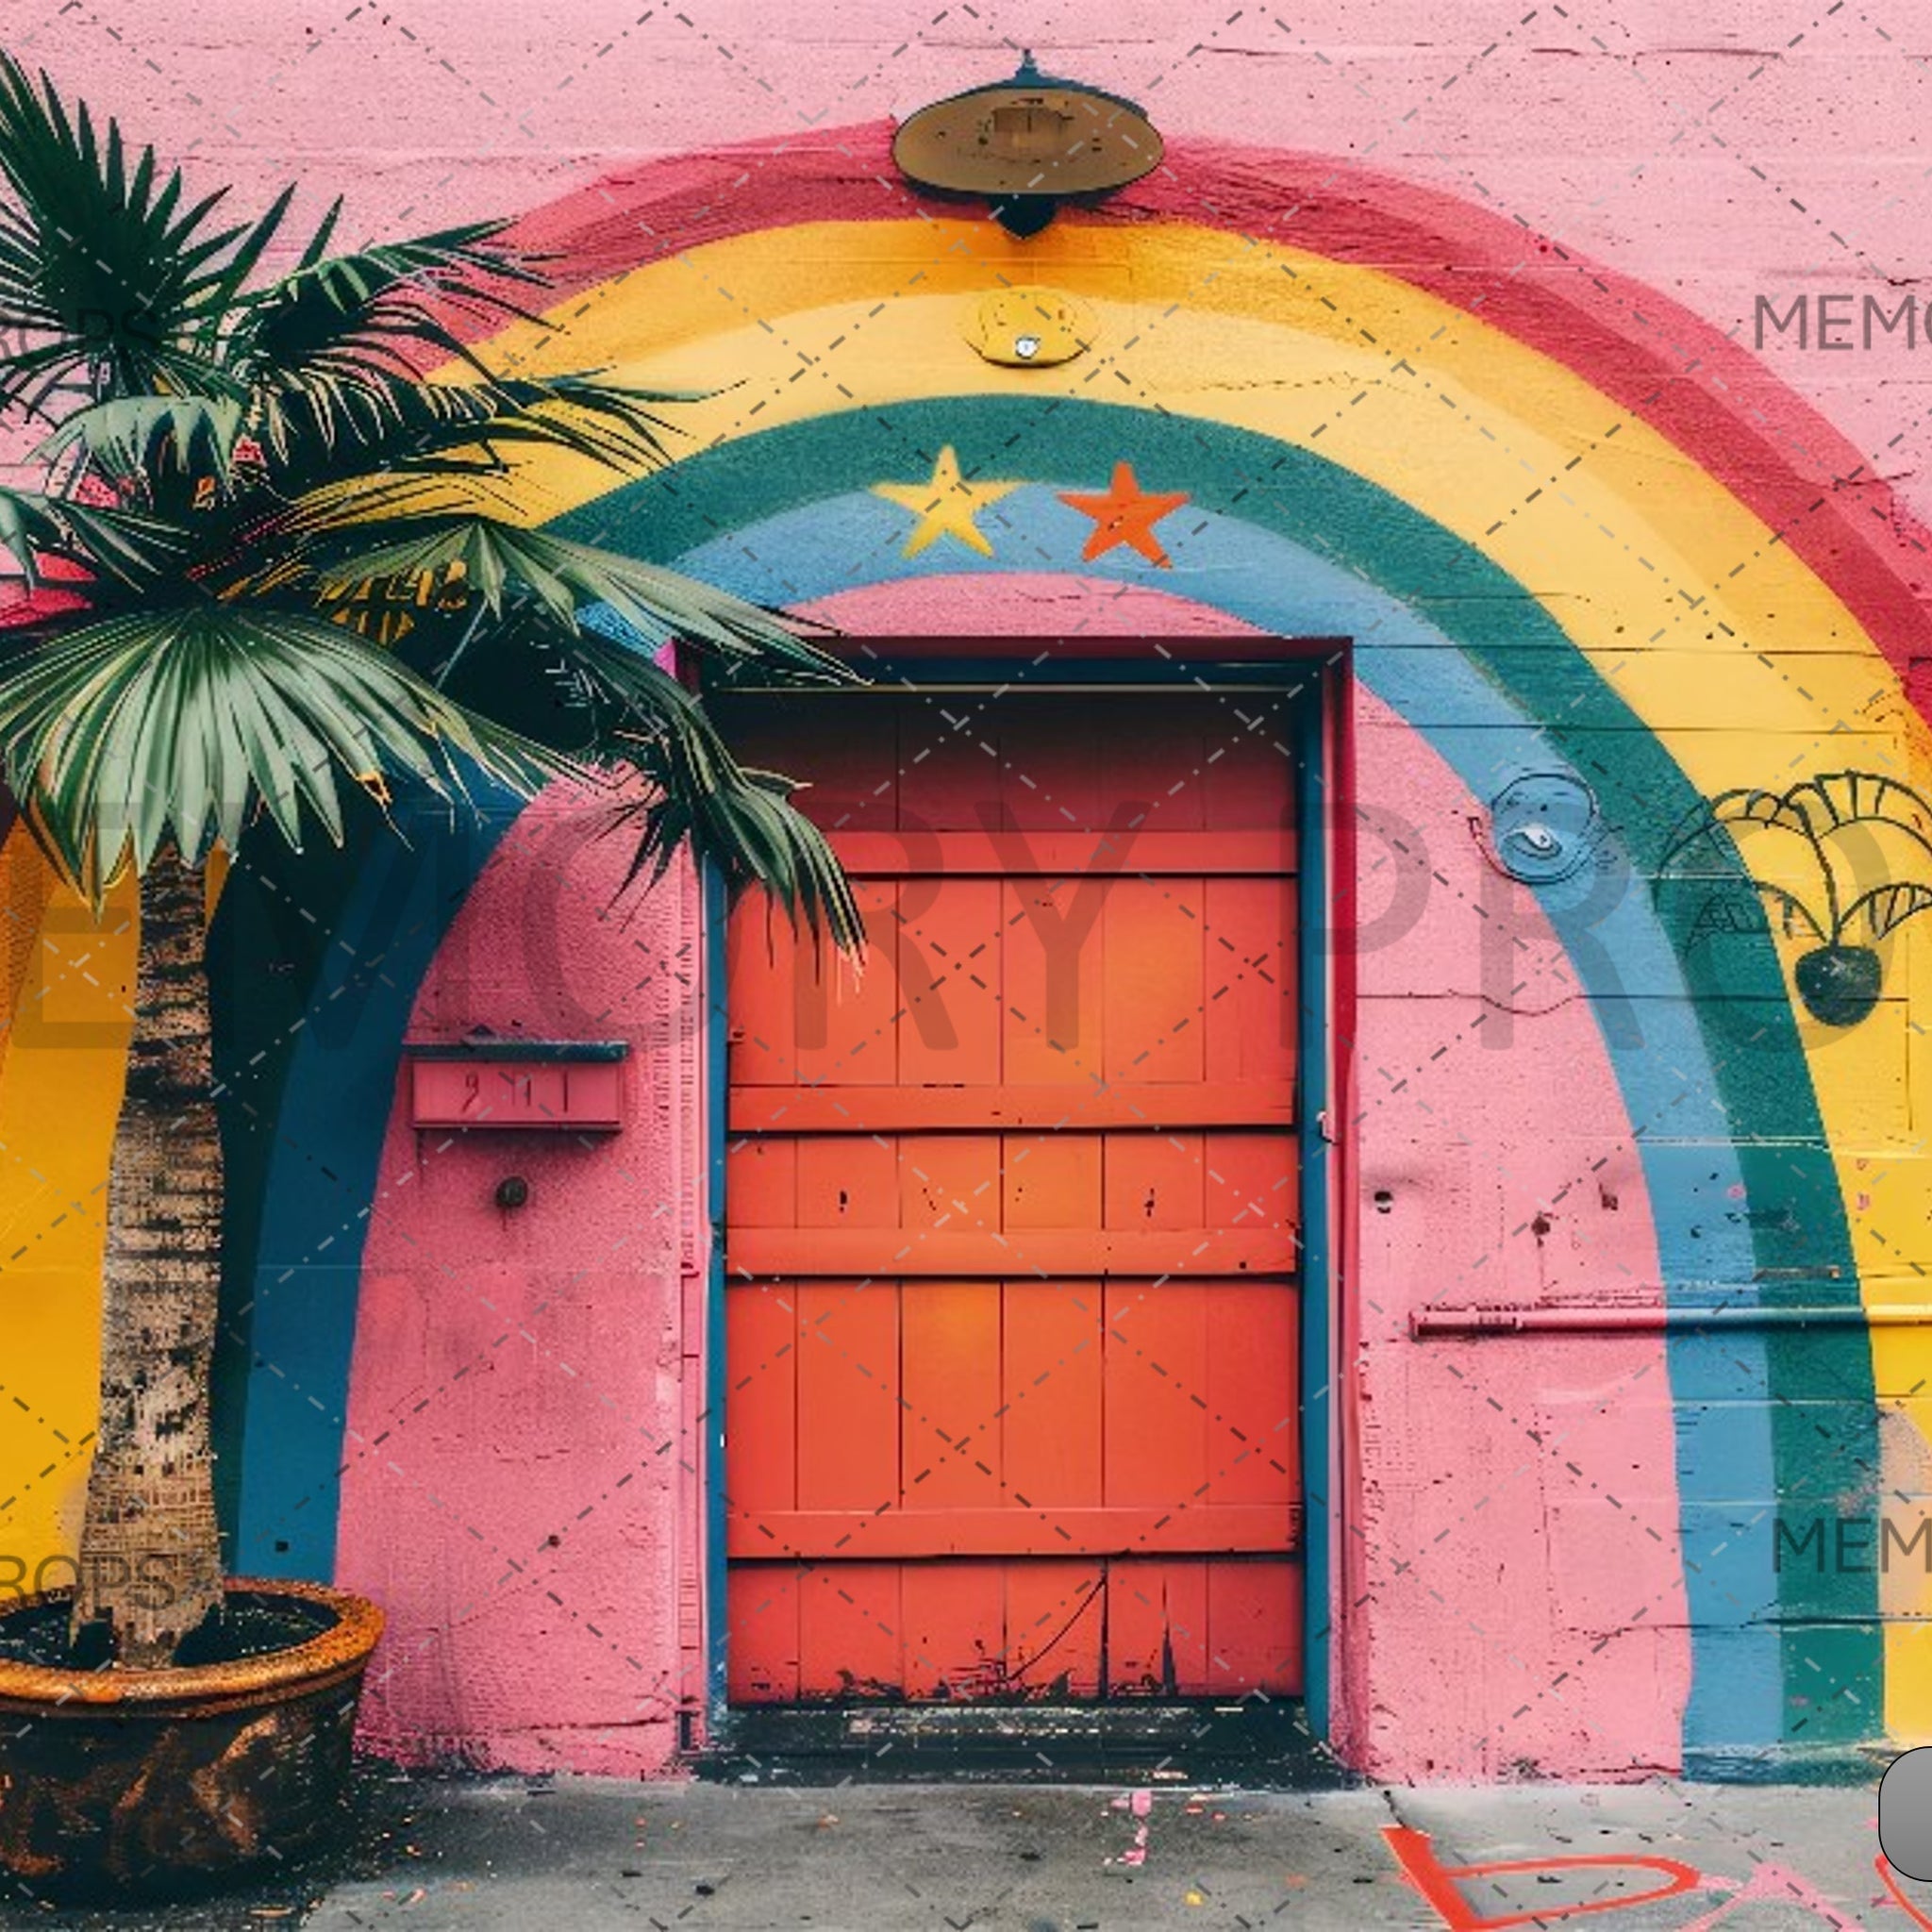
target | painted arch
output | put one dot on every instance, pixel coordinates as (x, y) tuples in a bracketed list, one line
[(1582, 619), (1568, 526)]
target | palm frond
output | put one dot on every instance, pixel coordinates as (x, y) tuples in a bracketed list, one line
[(134, 549), (138, 436), (170, 724), (746, 824), (500, 559), (115, 284), (349, 449), (702, 799), (368, 316)]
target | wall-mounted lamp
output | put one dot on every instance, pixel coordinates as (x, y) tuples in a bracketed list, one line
[(1026, 145)]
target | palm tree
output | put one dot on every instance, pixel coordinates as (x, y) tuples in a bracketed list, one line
[(1834, 854), (285, 558)]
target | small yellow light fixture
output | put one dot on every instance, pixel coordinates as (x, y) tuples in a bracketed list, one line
[(1026, 145), (1028, 329)]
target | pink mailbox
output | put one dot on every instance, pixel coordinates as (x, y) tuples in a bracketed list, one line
[(574, 1085)]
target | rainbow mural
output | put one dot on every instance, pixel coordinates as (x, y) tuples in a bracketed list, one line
[(1570, 530)]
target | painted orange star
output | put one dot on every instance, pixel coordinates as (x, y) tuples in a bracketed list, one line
[(1126, 514)]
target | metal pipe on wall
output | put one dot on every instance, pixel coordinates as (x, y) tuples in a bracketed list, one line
[(1620, 1320)]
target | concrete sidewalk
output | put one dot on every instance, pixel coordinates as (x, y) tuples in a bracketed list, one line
[(556, 1856)]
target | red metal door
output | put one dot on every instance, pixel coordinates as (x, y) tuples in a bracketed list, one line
[(1011, 1314)]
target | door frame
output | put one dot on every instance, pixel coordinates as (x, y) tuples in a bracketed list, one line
[(1323, 1081)]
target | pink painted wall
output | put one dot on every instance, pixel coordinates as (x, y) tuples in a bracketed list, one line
[(518, 1490), (1716, 152), (1539, 1478)]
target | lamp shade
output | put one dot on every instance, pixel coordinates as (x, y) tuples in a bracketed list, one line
[(1033, 138)]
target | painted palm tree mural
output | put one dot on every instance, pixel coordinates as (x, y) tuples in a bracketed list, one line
[(1842, 861)]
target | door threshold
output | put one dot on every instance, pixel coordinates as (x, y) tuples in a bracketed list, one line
[(1254, 1744)]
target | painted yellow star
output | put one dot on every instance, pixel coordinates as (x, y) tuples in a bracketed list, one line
[(946, 506)]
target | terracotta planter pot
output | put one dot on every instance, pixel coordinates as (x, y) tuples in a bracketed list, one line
[(159, 1781)]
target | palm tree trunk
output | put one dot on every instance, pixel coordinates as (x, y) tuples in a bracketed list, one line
[(150, 1558)]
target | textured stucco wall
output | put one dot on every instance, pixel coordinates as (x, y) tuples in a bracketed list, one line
[(520, 1446), (1716, 151), (518, 1481)]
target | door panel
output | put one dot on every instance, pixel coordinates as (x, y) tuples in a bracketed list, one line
[(843, 1017), (948, 1017), (848, 1395), (1155, 1349), (762, 1645), (1254, 1384), (1153, 979), (1050, 1180), (950, 1421), (762, 1352), (1055, 1628), (1051, 1394), (951, 1613), (1154, 1180), (1053, 969), (851, 1631), (1158, 1628), (1012, 1310)]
